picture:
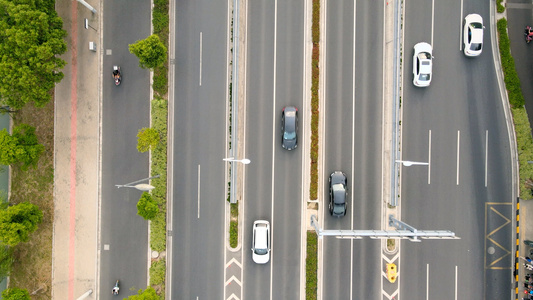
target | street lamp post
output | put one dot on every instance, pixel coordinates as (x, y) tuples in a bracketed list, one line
[(408, 163), (88, 6), (141, 186), (243, 161)]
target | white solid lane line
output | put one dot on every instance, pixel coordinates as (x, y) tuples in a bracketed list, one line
[(201, 53), (273, 145), (461, 28), (429, 159), (353, 149), (455, 282), (458, 143), (486, 154), (427, 282), (198, 191), (432, 20)]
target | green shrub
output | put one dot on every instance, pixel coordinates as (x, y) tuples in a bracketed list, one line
[(524, 141), (499, 7), (157, 272), (147, 207), (315, 75), (311, 265), (157, 233), (160, 84), (316, 21), (234, 225), (160, 21), (512, 82), (159, 167)]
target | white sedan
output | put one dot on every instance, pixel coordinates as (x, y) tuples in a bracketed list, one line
[(422, 64), (261, 242), (473, 35)]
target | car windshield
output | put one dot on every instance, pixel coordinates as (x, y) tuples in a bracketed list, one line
[(338, 209), (338, 192), (424, 55), (261, 251), (475, 46), (424, 77), (476, 25), (289, 135)]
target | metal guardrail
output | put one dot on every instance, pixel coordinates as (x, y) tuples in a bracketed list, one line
[(234, 101), (395, 154)]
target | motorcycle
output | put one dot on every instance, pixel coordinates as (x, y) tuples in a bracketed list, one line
[(115, 289), (528, 33), (117, 76)]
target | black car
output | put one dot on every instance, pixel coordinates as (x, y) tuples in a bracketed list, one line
[(337, 194), (289, 127)]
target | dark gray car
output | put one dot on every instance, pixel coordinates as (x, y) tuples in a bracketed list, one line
[(337, 194), (289, 127)]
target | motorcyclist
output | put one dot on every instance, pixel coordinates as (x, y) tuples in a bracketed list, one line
[(115, 290), (116, 74)]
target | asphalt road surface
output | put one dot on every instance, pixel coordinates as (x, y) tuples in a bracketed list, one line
[(457, 125), (126, 109), (353, 143), (273, 183), (200, 119)]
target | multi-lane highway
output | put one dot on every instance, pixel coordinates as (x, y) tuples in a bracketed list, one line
[(125, 110), (273, 190), (352, 138), (457, 125), (200, 143)]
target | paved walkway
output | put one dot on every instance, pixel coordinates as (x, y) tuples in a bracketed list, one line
[(76, 165)]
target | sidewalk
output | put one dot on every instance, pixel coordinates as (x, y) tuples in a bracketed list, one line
[(76, 165)]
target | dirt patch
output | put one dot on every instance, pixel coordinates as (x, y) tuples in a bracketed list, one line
[(32, 269)]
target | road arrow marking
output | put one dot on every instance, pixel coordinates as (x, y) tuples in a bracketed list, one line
[(233, 297), (233, 278), (233, 260)]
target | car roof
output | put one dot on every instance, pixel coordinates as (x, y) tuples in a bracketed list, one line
[(339, 193), (261, 237)]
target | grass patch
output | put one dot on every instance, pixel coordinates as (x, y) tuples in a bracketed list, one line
[(524, 141), (234, 226), (32, 267), (313, 186), (160, 23), (311, 264), (157, 276), (159, 114), (159, 167)]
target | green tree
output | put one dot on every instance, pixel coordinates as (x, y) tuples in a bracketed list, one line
[(15, 294), (17, 222), (147, 206), (31, 40), (148, 294), (147, 139), (151, 52), (21, 147)]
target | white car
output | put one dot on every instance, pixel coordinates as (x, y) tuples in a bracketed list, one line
[(422, 64), (261, 242), (473, 35)]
